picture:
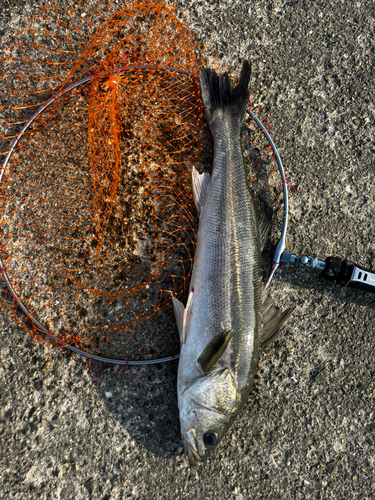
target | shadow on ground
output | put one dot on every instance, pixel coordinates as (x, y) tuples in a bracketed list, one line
[(144, 403)]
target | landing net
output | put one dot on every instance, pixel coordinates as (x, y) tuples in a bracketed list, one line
[(102, 122)]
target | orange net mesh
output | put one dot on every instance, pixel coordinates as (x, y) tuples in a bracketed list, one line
[(97, 220)]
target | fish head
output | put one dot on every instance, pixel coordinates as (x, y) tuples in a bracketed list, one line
[(207, 409)]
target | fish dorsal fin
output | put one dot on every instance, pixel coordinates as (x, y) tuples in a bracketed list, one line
[(201, 183), (264, 212), (214, 349), (272, 318)]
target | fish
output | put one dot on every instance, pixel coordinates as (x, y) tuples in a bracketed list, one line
[(229, 315)]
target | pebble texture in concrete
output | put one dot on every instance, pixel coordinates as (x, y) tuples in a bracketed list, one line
[(308, 431)]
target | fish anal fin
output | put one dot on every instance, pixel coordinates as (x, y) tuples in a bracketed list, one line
[(201, 183), (214, 349)]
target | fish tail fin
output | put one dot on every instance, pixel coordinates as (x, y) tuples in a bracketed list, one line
[(220, 97)]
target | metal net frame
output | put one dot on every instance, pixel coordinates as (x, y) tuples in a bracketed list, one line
[(97, 219)]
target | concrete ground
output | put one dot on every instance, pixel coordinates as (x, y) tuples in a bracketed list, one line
[(308, 430)]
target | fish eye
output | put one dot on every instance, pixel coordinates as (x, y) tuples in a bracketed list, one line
[(210, 438)]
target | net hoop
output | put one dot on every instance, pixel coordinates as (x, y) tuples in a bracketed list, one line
[(128, 68), (281, 245)]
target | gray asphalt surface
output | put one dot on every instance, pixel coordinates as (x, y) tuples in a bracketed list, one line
[(308, 431)]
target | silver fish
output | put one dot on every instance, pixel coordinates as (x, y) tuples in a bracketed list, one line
[(221, 326)]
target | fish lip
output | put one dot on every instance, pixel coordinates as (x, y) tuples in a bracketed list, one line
[(189, 437)]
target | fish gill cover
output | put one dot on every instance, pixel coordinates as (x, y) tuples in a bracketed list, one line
[(97, 219)]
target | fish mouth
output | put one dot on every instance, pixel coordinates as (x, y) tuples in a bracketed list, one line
[(191, 451)]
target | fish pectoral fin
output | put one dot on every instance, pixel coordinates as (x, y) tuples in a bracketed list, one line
[(214, 349), (273, 321), (179, 310), (201, 183)]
